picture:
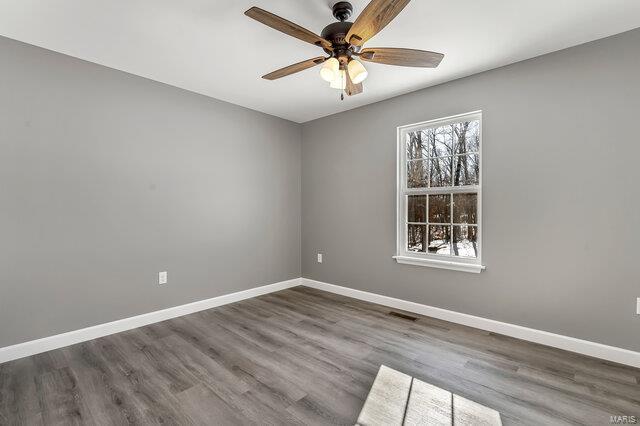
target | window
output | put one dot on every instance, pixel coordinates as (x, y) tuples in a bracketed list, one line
[(440, 193)]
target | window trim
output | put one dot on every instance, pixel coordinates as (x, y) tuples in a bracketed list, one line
[(430, 259)]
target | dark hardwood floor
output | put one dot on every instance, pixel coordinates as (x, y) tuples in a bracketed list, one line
[(302, 356)]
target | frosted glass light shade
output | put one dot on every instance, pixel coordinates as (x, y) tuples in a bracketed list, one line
[(340, 82), (330, 69), (357, 71)]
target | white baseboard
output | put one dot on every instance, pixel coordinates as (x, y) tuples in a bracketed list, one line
[(598, 350), (585, 347), (33, 347)]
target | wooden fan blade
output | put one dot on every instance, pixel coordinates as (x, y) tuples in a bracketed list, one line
[(401, 57), (352, 89), (287, 27), (292, 69), (373, 19)]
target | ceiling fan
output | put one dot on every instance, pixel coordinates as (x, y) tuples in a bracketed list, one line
[(343, 41)]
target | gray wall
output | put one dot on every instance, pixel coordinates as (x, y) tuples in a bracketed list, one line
[(561, 204), (107, 178)]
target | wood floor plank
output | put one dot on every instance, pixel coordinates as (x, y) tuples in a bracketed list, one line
[(59, 399), (21, 403), (205, 407), (152, 393), (469, 413), (303, 356)]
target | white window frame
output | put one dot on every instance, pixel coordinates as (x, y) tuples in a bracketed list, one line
[(431, 259)]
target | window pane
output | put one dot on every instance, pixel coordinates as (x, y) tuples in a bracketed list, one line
[(416, 236), (441, 172), (439, 239), (465, 241), (440, 208), (466, 170), (417, 145), (440, 141), (417, 208), (465, 208), (417, 174), (467, 137)]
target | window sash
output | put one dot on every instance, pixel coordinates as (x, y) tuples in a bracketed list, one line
[(403, 192), (450, 225)]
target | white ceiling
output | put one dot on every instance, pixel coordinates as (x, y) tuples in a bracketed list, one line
[(210, 47)]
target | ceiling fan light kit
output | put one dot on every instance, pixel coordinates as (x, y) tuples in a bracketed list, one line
[(357, 71), (340, 82), (329, 70), (343, 42)]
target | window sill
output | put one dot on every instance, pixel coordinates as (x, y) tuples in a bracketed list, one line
[(442, 264)]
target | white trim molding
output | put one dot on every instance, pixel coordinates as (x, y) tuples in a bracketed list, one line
[(34, 347), (597, 350), (442, 264), (585, 347)]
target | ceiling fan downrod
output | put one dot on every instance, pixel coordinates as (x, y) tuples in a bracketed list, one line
[(342, 10)]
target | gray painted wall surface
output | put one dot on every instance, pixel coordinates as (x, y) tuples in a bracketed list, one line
[(561, 229), (107, 178)]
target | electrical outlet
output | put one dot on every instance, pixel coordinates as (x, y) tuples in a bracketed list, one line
[(162, 277), (319, 257)]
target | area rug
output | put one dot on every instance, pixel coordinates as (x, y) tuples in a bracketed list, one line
[(399, 399)]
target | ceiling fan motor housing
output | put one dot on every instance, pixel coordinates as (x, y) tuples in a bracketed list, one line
[(336, 33)]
